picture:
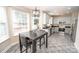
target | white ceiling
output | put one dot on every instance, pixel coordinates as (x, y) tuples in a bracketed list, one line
[(56, 10)]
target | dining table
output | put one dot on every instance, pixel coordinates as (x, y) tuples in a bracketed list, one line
[(34, 36)]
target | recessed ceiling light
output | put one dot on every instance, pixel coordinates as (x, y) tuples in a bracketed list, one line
[(69, 8)]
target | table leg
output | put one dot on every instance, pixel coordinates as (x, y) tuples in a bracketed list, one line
[(21, 48), (26, 48), (33, 46), (46, 40), (20, 45), (40, 43)]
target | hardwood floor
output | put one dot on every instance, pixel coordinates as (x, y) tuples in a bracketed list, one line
[(57, 43)]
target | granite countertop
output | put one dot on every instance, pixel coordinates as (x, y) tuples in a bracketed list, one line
[(67, 26)]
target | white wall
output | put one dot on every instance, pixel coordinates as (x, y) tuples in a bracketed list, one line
[(44, 18), (47, 19), (77, 35), (50, 20), (74, 19)]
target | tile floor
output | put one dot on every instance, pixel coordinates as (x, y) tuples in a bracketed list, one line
[(57, 43)]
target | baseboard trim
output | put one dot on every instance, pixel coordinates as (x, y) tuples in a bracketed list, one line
[(8, 47)]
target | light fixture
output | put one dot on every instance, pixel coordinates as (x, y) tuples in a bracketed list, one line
[(69, 8), (36, 12), (36, 15)]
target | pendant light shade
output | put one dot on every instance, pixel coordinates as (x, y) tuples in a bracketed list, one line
[(36, 13)]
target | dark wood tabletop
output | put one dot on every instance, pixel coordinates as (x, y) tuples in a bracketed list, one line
[(33, 34)]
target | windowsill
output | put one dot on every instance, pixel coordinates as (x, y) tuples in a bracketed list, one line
[(4, 38), (16, 34)]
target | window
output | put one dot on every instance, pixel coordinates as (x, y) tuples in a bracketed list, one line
[(34, 25), (3, 24), (19, 21), (44, 18)]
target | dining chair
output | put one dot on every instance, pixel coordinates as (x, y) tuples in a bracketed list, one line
[(24, 42)]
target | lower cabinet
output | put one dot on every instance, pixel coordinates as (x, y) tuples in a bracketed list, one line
[(68, 31)]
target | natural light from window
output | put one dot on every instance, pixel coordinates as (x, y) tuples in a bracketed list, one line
[(19, 21), (3, 24)]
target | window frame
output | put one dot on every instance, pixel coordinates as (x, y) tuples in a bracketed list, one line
[(13, 12), (6, 36)]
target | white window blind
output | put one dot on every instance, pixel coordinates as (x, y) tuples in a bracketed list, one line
[(3, 24)]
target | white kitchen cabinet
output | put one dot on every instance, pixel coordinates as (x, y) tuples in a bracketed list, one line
[(68, 31)]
